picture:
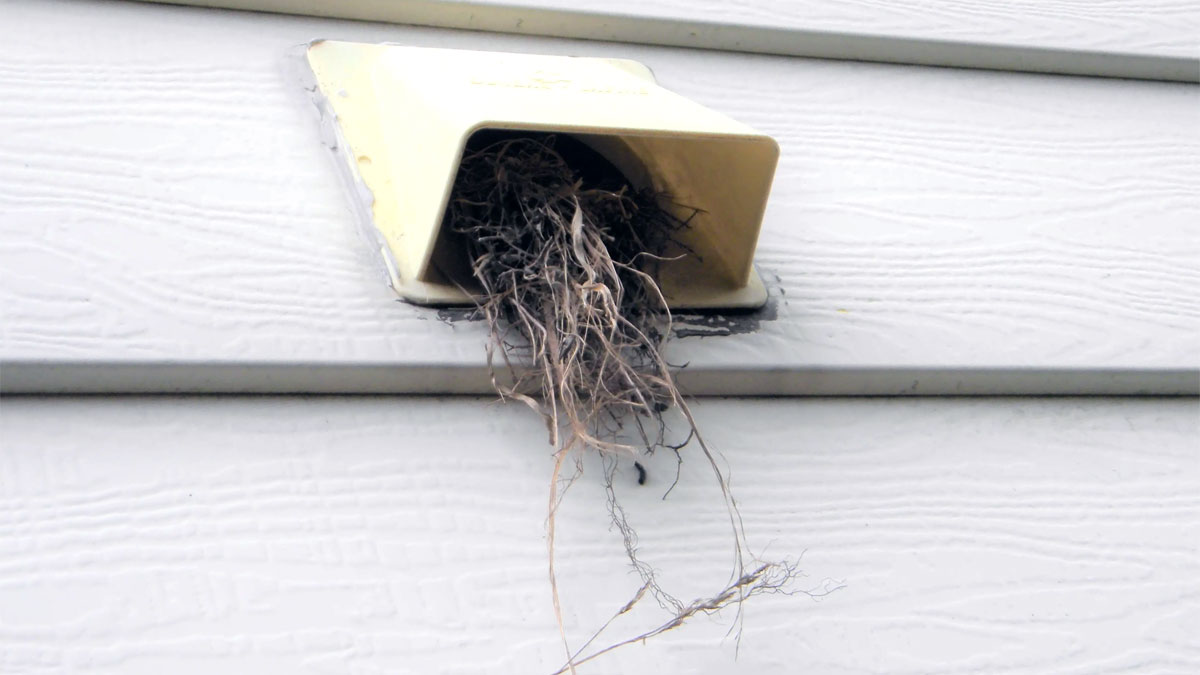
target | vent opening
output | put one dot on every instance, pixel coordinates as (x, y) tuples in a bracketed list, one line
[(449, 263), (710, 267)]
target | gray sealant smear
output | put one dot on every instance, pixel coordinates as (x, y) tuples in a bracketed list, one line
[(362, 200)]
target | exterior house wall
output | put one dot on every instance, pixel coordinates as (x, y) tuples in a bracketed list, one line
[(168, 202), (169, 221), (406, 535), (1150, 27), (1143, 39)]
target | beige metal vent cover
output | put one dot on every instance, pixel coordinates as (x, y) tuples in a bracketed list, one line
[(404, 115)]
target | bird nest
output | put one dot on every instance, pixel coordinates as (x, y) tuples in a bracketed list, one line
[(565, 253)]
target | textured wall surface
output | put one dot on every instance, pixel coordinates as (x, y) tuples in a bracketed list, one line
[(165, 205), (406, 535), (1163, 27), (1140, 39), (166, 199)]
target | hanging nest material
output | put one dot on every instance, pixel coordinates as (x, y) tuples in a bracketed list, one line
[(565, 254)]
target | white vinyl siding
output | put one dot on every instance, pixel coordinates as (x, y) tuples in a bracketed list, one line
[(166, 202), (1151, 39), (406, 535), (170, 222)]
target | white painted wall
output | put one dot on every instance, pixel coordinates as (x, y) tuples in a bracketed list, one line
[(405, 535)]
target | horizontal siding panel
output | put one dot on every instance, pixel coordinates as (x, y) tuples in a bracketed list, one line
[(165, 200), (406, 535), (1153, 27), (1126, 38)]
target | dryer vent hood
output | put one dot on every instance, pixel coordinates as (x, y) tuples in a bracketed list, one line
[(403, 116)]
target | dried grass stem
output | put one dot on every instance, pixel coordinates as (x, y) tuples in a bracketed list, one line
[(566, 262)]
